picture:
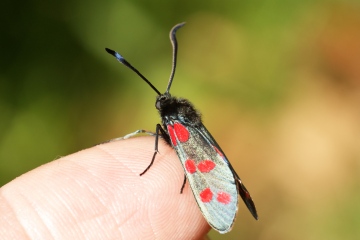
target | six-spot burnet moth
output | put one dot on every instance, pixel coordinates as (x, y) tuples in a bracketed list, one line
[(213, 180)]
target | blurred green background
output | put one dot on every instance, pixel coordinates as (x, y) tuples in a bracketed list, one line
[(278, 83)]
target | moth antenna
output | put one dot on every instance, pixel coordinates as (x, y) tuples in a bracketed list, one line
[(175, 48), (122, 60)]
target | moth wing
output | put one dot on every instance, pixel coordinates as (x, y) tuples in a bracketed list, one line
[(243, 192), (211, 180)]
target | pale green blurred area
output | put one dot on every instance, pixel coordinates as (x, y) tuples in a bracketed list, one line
[(278, 83)]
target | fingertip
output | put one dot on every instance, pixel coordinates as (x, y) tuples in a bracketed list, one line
[(98, 192)]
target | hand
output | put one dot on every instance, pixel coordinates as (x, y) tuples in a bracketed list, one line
[(97, 193)]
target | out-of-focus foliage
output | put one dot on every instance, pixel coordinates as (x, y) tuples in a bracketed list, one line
[(278, 83)]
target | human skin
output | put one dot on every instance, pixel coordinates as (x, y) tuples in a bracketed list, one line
[(97, 193)]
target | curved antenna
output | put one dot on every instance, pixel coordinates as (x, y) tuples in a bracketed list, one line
[(122, 60), (175, 47)]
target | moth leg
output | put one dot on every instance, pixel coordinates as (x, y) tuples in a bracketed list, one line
[(132, 134), (183, 185), (135, 133), (158, 133), (128, 136)]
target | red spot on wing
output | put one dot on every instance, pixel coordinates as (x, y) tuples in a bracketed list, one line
[(206, 195), (190, 166), (223, 197), (182, 133), (206, 166), (172, 134), (218, 151)]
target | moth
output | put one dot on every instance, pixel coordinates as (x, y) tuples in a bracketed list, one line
[(212, 179)]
